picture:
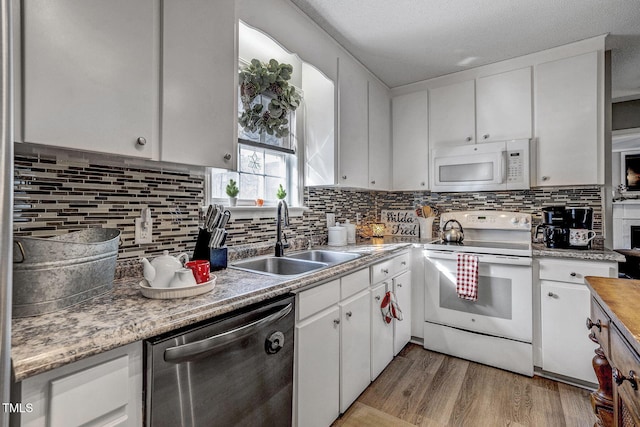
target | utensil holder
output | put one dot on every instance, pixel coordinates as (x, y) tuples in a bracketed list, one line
[(201, 250), (218, 258)]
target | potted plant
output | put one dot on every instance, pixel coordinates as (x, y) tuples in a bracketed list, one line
[(281, 193), (232, 191), (272, 81)]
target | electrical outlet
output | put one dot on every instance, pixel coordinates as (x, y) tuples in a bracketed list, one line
[(143, 234)]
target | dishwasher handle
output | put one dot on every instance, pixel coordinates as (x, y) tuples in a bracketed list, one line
[(186, 352)]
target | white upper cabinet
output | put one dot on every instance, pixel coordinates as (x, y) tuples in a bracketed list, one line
[(199, 83), (410, 141), (452, 114), (353, 124), (569, 135), (379, 136), (90, 73), (503, 106)]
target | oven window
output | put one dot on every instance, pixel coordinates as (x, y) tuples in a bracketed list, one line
[(494, 297)]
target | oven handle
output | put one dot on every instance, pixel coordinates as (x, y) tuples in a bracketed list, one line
[(482, 258), (185, 352)]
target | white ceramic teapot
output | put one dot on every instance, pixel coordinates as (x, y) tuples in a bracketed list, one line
[(161, 271)]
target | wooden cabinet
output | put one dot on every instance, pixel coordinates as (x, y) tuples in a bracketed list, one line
[(452, 114), (564, 304), (568, 121), (614, 324), (199, 84), (491, 108), (90, 75), (503, 106), (353, 124), (402, 329), (105, 389), (410, 141), (333, 352), (379, 120)]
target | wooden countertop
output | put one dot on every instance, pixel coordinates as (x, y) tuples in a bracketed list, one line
[(619, 298)]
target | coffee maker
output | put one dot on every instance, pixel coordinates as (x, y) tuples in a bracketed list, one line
[(567, 227)]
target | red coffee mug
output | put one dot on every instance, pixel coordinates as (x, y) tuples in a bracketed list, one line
[(200, 270)]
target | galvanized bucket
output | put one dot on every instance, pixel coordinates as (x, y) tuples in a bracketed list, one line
[(50, 274)]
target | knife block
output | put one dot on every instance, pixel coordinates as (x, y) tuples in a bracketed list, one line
[(201, 250)]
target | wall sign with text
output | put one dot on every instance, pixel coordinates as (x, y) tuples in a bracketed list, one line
[(400, 223)]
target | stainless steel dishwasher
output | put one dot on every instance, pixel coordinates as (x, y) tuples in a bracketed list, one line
[(234, 370)]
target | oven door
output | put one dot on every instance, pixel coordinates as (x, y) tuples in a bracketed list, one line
[(504, 305)]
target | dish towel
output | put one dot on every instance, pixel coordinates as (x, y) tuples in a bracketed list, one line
[(467, 277), (390, 308)]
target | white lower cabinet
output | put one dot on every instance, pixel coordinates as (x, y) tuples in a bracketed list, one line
[(355, 357), (564, 347), (402, 329), (105, 389), (381, 332), (332, 348)]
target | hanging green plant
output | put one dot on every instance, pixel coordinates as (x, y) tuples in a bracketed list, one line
[(272, 81)]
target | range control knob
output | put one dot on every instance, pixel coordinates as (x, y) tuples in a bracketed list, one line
[(524, 220), (514, 220)]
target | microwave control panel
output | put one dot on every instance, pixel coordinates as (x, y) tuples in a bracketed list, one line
[(515, 167)]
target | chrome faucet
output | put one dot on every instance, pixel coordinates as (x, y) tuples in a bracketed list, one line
[(280, 247)]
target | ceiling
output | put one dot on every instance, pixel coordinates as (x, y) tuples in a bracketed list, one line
[(405, 41)]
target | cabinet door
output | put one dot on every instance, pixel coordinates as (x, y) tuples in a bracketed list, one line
[(91, 75), (566, 350), (402, 328), (353, 111), (199, 83), (355, 348), (569, 137), (379, 137), (452, 114), (410, 141), (381, 333), (503, 106), (318, 364)]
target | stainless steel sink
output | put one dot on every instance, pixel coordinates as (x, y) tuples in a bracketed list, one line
[(279, 266), (329, 257)]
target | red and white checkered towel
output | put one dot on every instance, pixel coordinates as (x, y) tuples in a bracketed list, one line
[(389, 307), (467, 277)]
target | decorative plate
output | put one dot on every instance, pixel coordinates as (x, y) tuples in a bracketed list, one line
[(169, 293)]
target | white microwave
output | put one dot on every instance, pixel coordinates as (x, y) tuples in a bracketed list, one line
[(489, 166)]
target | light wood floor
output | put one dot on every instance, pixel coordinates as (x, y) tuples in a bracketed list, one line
[(423, 388)]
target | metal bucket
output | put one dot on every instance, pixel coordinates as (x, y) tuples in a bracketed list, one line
[(50, 274)]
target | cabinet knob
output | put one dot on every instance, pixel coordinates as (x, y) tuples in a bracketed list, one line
[(227, 156), (344, 176), (377, 297), (349, 314), (545, 178), (399, 285), (552, 295), (373, 182), (403, 263), (336, 322), (422, 184), (468, 139), (486, 136), (590, 324), (141, 141), (385, 270), (619, 378), (573, 274)]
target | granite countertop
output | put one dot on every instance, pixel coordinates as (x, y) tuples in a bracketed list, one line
[(618, 297), (540, 250), (123, 316)]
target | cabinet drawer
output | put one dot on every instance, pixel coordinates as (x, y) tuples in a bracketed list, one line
[(315, 299), (354, 282), (389, 268), (598, 317), (625, 359), (562, 270)]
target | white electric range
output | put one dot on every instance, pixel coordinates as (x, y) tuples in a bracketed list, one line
[(496, 329)]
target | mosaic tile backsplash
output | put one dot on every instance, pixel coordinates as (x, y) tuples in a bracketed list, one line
[(53, 197)]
